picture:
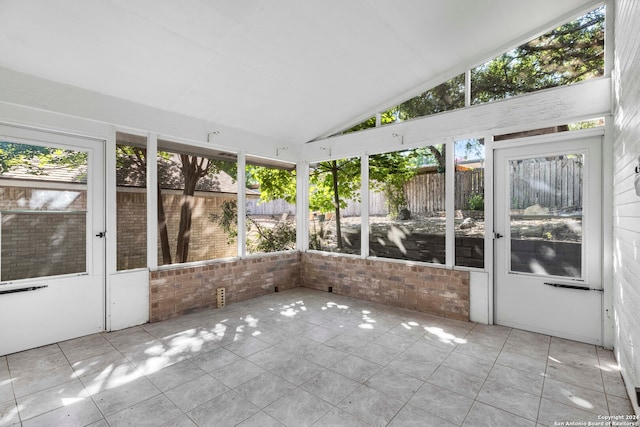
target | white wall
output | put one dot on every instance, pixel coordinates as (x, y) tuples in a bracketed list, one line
[(626, 204)]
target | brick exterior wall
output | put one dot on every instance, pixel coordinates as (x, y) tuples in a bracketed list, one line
[(438, 291), (131, 219), (42, 244), (208, 241), (178, 291)]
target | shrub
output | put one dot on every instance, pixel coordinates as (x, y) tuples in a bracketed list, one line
[(476, 202)]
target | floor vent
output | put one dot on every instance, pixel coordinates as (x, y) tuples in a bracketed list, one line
[(220, 297)]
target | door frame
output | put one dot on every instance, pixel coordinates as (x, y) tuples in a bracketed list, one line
[(605, 247), (96, 266)]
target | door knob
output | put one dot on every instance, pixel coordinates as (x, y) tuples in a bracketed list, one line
[(101, 234)]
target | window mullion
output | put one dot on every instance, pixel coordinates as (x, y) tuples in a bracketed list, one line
[(450, 205), (364, 206)]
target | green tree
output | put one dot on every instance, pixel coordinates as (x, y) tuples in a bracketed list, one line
[(280, 237), (568, 54), (331, 184), (131, 163), (571, 53), (334, 182), (274, 183), (388, 173), (37, 160)]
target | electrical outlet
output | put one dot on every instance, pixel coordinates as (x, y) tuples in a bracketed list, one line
[(330, 288), (275, 289)]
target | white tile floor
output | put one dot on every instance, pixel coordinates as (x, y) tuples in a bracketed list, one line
[(304, 357)]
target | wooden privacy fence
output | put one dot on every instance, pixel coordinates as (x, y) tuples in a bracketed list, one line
[(426, 193), (554, 182), (275, 207)]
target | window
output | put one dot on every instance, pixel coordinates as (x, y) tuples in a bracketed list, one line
[(469, 203), (367, 124), (131, 201), (407, 204), (571, 53), (447, 96), (334, 204), (43, 211), (568, 54), (271, 209), (193, 187), (546, 214)]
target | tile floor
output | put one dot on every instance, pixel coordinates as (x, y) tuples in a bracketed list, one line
[(304, 357)]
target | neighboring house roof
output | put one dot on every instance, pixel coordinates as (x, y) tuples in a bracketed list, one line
[(47, 173), (131, 176)]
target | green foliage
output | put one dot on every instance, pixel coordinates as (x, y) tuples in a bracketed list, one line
[(274, 183), (231, 168), (317, 235), (228, 219), (588, 124), (280, 237), (321, 184), (35, 159), (568, 54), (476, 202), (571, 53), (447, 96), (367, 124), (388, 172)]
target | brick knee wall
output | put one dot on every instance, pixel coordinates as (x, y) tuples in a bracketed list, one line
[(178, 291), (438, 291)]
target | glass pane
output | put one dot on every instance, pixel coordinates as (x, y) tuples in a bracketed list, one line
[(195, 191), (445, 97), (271, 209), (546, 215), (407, 205), (334, 205), (367, 124), (571, 53), (469, 203), (43, 210), (131, 201)]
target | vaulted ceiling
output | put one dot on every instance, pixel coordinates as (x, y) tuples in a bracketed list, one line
[(292, 70)]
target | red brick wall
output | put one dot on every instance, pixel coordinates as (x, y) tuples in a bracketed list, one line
[(131, 215), (42, 244), (36, 244), (439, 291), (208, 240), (178, 291)]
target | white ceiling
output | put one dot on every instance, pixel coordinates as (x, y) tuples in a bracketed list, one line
[(288, 69)]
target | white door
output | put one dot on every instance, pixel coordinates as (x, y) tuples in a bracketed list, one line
[(52, 258), (548, 248)]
